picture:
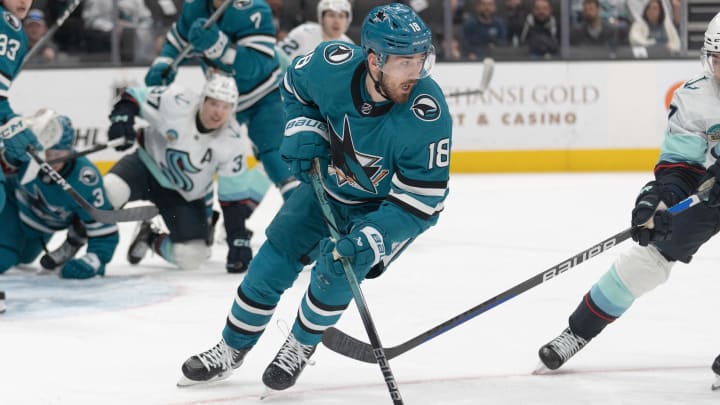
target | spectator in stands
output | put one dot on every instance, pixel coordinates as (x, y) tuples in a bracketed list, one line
[(281, 25), (482, 30), (593, 31), (35, 28), (655, 31), (135, 21), (515, 15), (540, 32), (70, 36)]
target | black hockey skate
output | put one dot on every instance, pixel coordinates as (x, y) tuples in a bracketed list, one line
[(141, 244), (716, 370), (215, 364), (76, 239), (559, 350), (287, 365)]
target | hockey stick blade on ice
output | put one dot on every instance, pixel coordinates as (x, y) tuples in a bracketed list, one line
[(487, 74), (348, 346), (376, 349), (105, 216)]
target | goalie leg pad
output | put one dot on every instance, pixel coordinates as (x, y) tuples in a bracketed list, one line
[(191, 254), (641, 269)]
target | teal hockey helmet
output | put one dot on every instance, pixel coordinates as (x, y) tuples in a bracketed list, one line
[(395, 29)]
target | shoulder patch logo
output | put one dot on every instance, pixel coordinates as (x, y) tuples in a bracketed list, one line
[(713, 133), (426, 108), (12, 21), (88, 176), (241, 4), (336, 54)]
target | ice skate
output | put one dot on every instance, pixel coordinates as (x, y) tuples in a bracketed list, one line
[(75, 240), (215, 364), (141, 244), (716, 370), (559, 350), (287, 365)]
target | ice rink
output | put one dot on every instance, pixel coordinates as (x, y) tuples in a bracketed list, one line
[(122, 339)]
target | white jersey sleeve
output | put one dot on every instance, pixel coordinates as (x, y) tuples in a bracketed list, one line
[(693, 128), (304, 39)]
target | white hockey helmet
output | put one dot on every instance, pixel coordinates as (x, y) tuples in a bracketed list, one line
[(334, 5), (221, 87), (711, 45)]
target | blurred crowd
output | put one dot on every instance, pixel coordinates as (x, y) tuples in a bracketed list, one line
[(502, 29)]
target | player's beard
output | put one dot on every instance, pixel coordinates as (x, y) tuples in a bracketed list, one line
[(394, 90)]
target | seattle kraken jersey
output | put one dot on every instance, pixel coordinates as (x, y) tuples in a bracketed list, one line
[(398, 154), (46, 207), (13, 48), (188, 158), (249, 27), (303, 39), (693, 123)]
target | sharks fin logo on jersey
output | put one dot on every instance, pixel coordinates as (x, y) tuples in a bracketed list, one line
[(88, 176), (241, 4), (360, 170), (337, 54), (39, 205), (12, 21), (177, 165), (426, 108)]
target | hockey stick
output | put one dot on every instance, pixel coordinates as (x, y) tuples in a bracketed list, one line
[(376, 349), (339, 342), (214, 17), (487, 73), (105, 216), (50, 32), (92, 149)]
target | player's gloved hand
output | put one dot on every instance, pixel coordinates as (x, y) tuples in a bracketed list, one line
[(15, 148), (713, 172), (364, 247), (239, 253), (210, 41), (300, 149), (87, 266), (160, 73), (122, 122), (650, 219)]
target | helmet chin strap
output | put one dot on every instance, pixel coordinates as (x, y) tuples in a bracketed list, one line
[(376, 83)]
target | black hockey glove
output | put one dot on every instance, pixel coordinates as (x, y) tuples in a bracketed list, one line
[(239, 253), (650, 219), (713, 172), (122, 122)]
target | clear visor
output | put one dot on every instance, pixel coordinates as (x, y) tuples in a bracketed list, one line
[(414, 66), (710, 61)]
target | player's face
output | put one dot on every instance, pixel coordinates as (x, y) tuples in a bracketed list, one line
[(19, 8), (334, 23), (214, 113), (400, 74), (51, 154)]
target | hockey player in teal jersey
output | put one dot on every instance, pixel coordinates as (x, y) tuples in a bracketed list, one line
[(39, 208), (382, 128), (240, 43), (13, 51)]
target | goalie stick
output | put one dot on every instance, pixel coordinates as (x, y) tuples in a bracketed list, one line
[(487, 74), (105, 216), (376, 350), (341, 343)]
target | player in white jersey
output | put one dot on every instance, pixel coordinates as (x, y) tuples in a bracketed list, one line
[(190, 138), (334, 18), (690, 145)]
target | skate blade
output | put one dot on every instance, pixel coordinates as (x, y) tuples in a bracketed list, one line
[(716, 384), (541, 369), (186, 382), (267, 393)]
